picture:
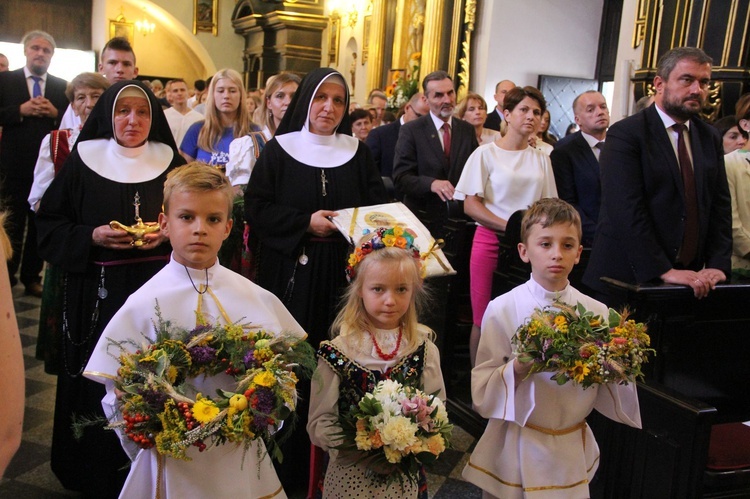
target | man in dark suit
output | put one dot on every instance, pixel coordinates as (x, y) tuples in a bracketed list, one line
[(431, 152), (495, 119), (382, 140), (31, 103), (575, 160), (665, 212)]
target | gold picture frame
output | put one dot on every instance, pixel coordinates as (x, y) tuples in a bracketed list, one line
[(206, 16), (334, 34), (366, 23), (121, 28)]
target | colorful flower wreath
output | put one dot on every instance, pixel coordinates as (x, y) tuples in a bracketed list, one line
[(382, 237), (576, 345), (155, 378)]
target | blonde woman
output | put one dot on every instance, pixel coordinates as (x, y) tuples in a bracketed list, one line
[(237, 252), (226, 119), (244, 151), (473, 109)]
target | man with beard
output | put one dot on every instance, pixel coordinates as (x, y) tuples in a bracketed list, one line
[(431, 152), (665, 213), (575, 160)]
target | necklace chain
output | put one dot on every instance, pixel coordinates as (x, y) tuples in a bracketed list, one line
[(191, 281), (388, 356)]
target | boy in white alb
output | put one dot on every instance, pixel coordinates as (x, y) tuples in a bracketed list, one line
[(537, 443), (196, 218)]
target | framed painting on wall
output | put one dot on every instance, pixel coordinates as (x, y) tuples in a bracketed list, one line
[(366, 22), (121, 28), (334, 32), (206, 16)]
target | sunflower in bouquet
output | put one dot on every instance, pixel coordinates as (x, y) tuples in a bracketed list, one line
[(396, 427), (155, 380), (577, 345)]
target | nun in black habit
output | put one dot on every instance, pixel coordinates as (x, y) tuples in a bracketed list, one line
[(116, 171), (312, 167)]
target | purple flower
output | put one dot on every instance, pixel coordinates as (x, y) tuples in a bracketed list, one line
[(202, 355), (154, 398), (249, 359), (200, 329), (260, 423), (265, 399)]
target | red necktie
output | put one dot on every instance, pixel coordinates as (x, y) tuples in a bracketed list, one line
[(689, 247), (447, 140)]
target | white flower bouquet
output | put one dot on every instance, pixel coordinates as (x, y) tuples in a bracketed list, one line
[(396, 428)]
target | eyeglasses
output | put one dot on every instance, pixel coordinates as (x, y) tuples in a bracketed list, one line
[(418, 115)]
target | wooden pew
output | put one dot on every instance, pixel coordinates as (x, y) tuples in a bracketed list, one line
[(698, 378)]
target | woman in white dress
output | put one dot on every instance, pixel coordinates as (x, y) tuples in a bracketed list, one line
[(500, 178)]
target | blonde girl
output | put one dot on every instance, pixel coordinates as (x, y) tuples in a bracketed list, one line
[(226, 119), (376, 335)]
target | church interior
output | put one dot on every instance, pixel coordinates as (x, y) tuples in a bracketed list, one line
[(695, 407)]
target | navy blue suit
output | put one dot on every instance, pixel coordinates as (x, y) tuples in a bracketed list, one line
[(493, 120), (642, 216), (382, 143), (419, 160), (19, 150), (577, 178)]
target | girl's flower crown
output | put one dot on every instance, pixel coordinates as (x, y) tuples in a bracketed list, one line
[(382, 237)]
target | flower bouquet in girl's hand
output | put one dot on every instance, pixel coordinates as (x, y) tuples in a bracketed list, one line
[(577, 345), (395, 428), (154, 378)]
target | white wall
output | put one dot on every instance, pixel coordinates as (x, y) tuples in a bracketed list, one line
[(520, 40), (628, 60)]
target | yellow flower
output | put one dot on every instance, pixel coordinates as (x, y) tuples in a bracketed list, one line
[(561, 323), (398, 231), (263, 355), (393, 455), (238, 402), (579, 371), (172, 374), (204, 410), (363, 441), (235, 332), (436, 444), (389, 240), (266, 379), (353, 260), (399, 432)]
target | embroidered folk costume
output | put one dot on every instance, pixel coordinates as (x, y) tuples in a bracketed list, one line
[(347, 370)]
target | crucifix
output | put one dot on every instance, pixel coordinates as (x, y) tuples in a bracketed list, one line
[(323, 182)]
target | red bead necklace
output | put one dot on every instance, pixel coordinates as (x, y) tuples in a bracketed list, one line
[(388, 356)]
